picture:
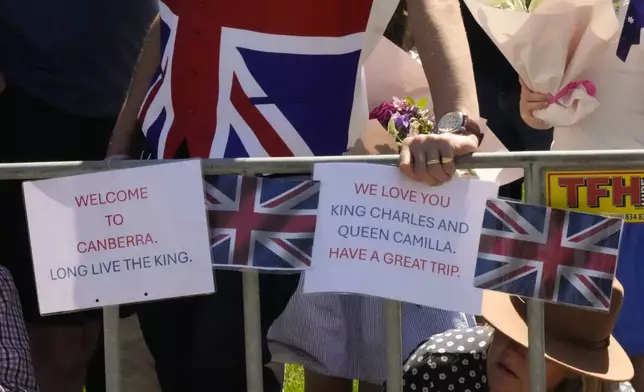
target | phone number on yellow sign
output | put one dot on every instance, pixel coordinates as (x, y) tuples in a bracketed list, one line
[(614, 193), (632, 217)]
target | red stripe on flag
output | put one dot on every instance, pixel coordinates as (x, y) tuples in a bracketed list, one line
[(298, 254), (297, 191), (507, 277), (505, 218), (264, 132), (596, 292), (587, 234), (153, 93)]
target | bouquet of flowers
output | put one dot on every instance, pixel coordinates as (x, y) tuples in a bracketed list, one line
[(409, 80), (404, 117), (551, 45)]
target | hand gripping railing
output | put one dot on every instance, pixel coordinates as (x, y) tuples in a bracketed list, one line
[(534, 164)]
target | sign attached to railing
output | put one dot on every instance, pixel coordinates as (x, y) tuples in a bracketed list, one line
[(615, 193), (119, 237), (384, 235)]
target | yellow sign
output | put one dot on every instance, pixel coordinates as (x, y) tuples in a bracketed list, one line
[(615, 193)]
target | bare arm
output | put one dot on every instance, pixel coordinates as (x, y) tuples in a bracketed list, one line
[(148, 62), (439, 33)]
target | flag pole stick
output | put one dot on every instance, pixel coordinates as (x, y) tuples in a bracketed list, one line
[(393, 344), (111, 341), (536, 340), (253, 332)]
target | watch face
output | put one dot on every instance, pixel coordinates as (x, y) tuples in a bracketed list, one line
[(451, 122)]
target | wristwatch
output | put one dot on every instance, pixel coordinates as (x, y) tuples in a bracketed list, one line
[(459, 122)]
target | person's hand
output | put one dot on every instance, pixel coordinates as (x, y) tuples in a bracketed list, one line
[(115, 154), (430, 158), (110, 157), (116, 150), (531, 102), (119, 147)]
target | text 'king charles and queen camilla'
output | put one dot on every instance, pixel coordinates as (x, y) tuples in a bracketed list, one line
[(428, 243)]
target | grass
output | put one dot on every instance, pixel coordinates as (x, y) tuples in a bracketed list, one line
[(294, 379)]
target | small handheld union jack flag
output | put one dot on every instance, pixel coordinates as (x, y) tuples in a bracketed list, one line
[(261, 223), (548, 254)]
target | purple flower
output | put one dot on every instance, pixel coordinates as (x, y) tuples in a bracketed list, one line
[(402, 121)]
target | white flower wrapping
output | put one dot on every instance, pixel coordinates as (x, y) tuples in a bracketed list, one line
[(575, 104), (552, 47)]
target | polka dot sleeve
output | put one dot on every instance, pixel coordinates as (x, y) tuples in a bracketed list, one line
[(452, 361)]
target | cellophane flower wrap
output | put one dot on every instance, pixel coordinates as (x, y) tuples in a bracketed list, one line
[(551, 43), (515, 5), (404, 117)]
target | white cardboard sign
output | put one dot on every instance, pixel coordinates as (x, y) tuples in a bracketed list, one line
[(119, 237), (381, 234)]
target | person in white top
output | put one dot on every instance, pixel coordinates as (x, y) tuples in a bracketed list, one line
[(617, 124)]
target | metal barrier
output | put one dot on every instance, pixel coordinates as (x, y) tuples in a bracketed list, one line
[(534, 164)]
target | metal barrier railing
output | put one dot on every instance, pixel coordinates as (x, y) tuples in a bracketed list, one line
[(534, 164)]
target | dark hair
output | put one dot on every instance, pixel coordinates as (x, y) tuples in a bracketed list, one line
[(398, 29)]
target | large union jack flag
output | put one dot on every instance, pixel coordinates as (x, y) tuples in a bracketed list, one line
[(261, 223), (258, 77), (547, 253)]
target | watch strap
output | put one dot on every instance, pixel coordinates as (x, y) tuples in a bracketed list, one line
[(471, 127)]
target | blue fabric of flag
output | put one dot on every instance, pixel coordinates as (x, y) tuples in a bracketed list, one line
[(632, 29), (630, 273)]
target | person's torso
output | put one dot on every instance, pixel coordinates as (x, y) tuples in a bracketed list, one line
[(256, 78), (618, 122), (75, 55), (487, 59)]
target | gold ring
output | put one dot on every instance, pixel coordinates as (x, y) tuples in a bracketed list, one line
[(447, 160), (442, 161)]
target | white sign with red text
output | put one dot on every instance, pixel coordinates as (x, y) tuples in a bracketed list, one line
[(119, 237), (379, 233)]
